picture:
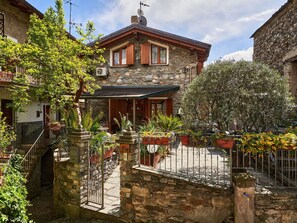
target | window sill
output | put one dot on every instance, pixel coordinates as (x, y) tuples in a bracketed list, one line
[(158, 65), (119, 66)]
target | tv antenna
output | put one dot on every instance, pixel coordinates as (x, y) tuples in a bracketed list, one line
[(142, 19), (70, 15), (140, 11)]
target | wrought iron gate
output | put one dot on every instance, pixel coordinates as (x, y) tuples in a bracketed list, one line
[(95, 178)]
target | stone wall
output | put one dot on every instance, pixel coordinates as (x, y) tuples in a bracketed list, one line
[(277, 37), (143, 75), (16, 21), (276, 208), (70, 176), (158, 198)]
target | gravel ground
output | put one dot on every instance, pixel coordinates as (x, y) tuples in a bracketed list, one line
[(42, 209)]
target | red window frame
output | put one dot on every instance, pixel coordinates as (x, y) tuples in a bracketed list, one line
[(120, 51)]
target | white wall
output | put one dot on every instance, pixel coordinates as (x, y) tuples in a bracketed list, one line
[(30, 114)]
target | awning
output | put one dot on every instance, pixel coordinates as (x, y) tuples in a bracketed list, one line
[(130, 92)]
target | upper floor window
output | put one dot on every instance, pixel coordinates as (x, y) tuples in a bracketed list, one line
[(119, 57), (159, 54), (154, 53), (122, 55)]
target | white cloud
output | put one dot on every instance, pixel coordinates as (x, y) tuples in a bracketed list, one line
[(262, 16), (211, 21), (240, 55)]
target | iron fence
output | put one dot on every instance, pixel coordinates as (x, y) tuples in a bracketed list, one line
[(208, 164), (186, 160), (272, 169)]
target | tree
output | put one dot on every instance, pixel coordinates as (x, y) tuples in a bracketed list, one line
[(241, 95), (55, 66)]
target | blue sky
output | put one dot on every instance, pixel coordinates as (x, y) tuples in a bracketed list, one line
[(226, 25)]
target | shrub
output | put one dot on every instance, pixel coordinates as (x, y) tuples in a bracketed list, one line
[(13, 194), (240, 95)]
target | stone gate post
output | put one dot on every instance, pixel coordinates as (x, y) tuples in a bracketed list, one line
[(244, 198), (128, 157), (70, 176)]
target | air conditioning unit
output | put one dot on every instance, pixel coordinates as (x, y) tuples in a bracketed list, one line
[(101, 72)]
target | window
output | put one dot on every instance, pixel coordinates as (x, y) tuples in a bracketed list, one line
[(122, 55), (154, 53), (159, 55), (119, 57)]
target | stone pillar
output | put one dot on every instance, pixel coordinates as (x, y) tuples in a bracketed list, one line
[(71, 176), (128, 157), (244, 196)]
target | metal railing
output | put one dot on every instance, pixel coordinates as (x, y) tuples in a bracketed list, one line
[(192, 161), (32, 155), (272, 169)]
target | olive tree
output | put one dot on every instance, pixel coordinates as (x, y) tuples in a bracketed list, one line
[(241, 95)]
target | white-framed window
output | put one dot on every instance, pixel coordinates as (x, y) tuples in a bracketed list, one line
[(154, 53), (122, 55)]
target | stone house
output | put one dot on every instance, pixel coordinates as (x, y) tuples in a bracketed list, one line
[(275, 42), (14, 23), (146, 71)]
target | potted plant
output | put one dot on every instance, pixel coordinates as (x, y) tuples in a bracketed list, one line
[(124, 123), (223, 140)]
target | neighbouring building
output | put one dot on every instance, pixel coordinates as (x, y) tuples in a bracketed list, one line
[(146, 72), (275, 42), (14, 23)]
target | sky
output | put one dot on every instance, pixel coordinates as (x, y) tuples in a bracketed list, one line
[(226, 25)]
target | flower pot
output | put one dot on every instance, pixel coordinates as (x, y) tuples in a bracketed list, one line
[(148, 140), (108, 153), (184, 140), (225, 143)]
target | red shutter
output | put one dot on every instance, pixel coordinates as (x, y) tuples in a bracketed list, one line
[(130, 54), (199, 67), (145, 53), (169, 107)]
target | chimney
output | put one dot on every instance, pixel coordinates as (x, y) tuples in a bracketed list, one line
[(134, 19)]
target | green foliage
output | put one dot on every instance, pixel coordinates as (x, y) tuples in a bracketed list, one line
[(161, 123), (167, 123), (240, 95), (91, 124), (52, 62), (6, 135), (124, 123), (258, 143), (13, 203)]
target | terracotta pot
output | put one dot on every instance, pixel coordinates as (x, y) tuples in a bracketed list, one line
[(155, 140), (184, 140), (225, 143), (108, 153)]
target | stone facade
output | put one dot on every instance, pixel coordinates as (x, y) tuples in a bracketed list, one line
[(181, 70), (276, 208), (275, 43), (16, 21)]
